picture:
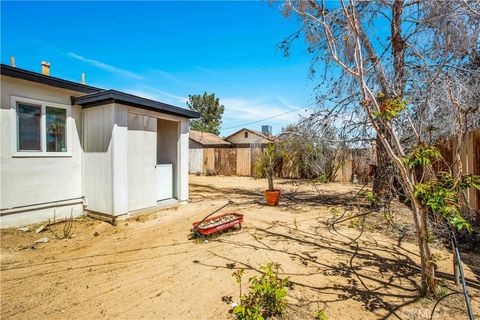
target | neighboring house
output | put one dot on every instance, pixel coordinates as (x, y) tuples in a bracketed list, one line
[(202, 151), (66, 147), (200, 140), (248, 137)]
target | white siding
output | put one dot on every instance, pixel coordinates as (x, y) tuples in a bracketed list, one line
[(181, 172), (119, 160), (195, 161), (97, 145), (183, 162), (141, 159)]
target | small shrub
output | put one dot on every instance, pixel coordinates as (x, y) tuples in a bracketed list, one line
[(267, 295), (354, 223), (371, 198), (321, 315), (335, 212), (323, 178)]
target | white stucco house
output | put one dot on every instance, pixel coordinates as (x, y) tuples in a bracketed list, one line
[(246, 136), (68, 147)]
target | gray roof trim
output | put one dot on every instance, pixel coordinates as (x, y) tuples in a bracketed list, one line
[(23, 74), (104, 96), (96, 96)]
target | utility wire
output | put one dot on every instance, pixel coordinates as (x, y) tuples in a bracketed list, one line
[(257, 121)]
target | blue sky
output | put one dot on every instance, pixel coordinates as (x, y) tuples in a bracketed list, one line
[(168, 50)]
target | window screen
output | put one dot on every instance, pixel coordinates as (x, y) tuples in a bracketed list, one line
[(55, 129), (29, 128)]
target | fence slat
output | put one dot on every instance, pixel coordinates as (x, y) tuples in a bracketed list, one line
[(244, 162)]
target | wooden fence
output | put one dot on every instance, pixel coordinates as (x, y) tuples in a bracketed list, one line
[(226, 161), (240, 161), (470, 158)]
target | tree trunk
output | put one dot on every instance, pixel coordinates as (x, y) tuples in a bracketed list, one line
[(429, 284), (270, 180), (384, 175), (385, 172)]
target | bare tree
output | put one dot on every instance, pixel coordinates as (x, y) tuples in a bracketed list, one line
[(389, 84), (313, 148)]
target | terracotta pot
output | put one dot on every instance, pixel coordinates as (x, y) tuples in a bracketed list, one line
[(272, 197)]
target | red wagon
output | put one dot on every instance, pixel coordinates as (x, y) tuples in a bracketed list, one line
[(218, 223)]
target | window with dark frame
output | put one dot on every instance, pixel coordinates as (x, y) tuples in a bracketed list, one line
[(246, 134)]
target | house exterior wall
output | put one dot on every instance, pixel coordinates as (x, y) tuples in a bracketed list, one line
[(95, 170), (183, 161), (29, 181), (120, 175), (239, 138), (177, 127), (141, 161), (98, 125)]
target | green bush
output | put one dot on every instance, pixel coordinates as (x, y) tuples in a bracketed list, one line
[(266, 297), (264, 165), (321, 315)]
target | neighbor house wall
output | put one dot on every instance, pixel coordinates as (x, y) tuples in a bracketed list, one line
[(239, 138), (30, 181), (195, 161), (195, 157)]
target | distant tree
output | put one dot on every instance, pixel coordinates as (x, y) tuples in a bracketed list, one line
[(211, 112)]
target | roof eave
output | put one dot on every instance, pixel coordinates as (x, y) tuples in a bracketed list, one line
[(22, 74), (134, 101)]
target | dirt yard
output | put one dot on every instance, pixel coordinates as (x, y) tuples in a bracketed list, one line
[(147, 268)]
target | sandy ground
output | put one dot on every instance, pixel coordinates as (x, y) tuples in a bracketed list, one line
[(147, 268)]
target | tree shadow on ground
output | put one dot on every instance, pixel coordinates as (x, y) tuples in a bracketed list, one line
[(361, 263), (373, 292), (290, 200), (383, 277)]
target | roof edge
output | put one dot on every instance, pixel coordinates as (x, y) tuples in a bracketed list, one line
[(101, 97), (14, 72), (251, 131)]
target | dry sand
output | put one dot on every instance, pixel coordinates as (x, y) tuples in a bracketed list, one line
[(147, 268)]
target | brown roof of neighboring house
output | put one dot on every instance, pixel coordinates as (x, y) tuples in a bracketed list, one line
[(261, 134), (207, 138)]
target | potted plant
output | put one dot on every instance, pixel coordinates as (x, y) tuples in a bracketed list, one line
[(265, 167)]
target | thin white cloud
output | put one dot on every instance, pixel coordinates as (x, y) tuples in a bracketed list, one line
[(212, 72), (165, 75), (246, 110), (105, 66), (159, 95)]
